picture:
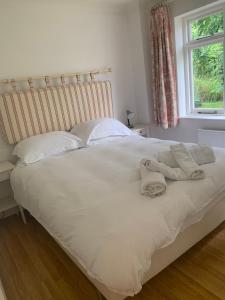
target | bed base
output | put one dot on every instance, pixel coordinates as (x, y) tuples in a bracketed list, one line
[(24, 219), (165, 256)]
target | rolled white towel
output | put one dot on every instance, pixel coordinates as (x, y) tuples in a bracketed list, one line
[(153, 184), (170, 173), (186, 162), (202, 154)]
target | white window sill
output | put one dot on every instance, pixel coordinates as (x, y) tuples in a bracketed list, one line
[(204, 117)]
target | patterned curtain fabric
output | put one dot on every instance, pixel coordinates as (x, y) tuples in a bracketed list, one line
[(163, 68)]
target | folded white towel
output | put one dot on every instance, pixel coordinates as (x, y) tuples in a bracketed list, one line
[(201, 154), (153, 184), (170, 173), (186, 162), (167, 158)]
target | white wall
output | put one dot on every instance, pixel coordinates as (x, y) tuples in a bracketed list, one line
[(47, 37), (179, 7), (186, 131), (139, 79)]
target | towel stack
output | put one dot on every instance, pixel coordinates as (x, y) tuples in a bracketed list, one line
[(201, 154), (177, 164)]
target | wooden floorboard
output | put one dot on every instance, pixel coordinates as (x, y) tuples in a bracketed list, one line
[(33, 267)]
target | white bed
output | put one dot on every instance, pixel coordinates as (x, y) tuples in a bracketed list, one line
[(89, 201)]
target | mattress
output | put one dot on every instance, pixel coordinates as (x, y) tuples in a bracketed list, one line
[(89, 201)]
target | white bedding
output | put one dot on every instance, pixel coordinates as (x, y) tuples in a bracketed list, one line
[(90, 201)]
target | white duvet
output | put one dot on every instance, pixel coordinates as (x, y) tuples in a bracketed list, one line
[(90, 201)]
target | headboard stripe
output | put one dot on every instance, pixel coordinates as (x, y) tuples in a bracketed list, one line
[(75, 106), (28, 102), (61, 108), (89, 113), (36, 121), (94, 102), (19, 132), (87, 102), (81, 95), (16, 119), (90, 103), (104, 92), (109, 98), (27, 109), (14, 123), (68, 103), (103, 97), (5, 120), (35, 111), (99, 95), (56, 109), (48, 110)]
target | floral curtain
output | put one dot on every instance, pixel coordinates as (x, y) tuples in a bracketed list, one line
[(163, 68)]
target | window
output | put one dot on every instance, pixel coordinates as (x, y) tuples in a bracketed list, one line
[(200, 57)]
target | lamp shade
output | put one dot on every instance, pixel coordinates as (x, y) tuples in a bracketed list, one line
[(130, 115)]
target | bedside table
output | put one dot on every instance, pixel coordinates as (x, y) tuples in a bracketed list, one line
[(6, 203), (141, 129)]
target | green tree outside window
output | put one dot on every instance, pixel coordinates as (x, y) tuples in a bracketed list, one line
[(208, 63)]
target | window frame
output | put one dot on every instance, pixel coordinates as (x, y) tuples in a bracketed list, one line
[(184, 47)]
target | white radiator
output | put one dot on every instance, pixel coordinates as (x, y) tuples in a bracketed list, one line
[(214, 138)]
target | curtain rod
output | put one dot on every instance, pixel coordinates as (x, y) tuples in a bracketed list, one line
[(68, 75)]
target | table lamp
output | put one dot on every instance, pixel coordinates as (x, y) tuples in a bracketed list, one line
[(130, 116)]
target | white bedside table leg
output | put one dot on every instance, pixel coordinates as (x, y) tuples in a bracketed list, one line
[(22, 214)]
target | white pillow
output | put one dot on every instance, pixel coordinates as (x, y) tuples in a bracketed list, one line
[(41, 146), (100, 129)]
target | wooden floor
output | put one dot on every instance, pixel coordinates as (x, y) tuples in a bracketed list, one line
[(33, 267)]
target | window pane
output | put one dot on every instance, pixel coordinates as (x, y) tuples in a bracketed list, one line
[(208, 73), (207, 26)]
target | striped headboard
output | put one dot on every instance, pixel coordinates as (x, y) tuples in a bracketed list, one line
[(35, 111)]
